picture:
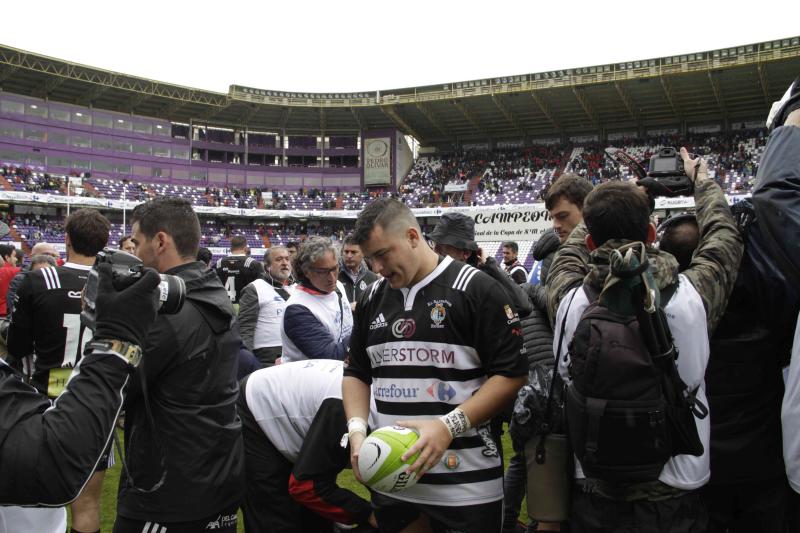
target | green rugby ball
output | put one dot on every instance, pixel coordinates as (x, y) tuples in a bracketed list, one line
[(379, 460)]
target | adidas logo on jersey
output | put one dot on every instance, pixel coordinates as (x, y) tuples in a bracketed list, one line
[(379, 322)]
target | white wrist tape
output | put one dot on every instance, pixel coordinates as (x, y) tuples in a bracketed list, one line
[(356, 425), (456, 422)]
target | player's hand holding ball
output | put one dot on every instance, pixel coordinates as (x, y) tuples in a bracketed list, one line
[(383, 459)]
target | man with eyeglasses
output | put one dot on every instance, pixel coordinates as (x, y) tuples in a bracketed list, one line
[(317, 320)]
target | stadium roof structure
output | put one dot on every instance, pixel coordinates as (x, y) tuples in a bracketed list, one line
[(724, 86)]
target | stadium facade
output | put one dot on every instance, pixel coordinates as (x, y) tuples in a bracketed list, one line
[(66, 117)]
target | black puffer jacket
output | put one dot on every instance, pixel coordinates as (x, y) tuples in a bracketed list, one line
[(530, 406), (194, 440), (536, 330)]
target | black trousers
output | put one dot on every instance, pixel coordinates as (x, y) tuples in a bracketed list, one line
[(267, 506), (591, 513), (747, 507)]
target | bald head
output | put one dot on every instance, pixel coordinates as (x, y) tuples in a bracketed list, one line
[(45, 248)]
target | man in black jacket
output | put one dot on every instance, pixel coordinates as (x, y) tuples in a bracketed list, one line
[(183, 438), (353, 271), (744, 387)]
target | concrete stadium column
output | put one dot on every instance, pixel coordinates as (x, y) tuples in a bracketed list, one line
[(283, 148)]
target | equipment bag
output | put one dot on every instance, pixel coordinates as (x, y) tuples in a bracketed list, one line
[(627, 409)]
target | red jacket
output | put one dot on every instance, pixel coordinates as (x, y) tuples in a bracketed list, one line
[(7, 273)]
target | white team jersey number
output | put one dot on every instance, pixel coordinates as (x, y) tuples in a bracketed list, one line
[(76, 341), (230, 287)]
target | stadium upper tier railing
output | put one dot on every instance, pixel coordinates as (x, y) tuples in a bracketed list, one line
[(646, 68)]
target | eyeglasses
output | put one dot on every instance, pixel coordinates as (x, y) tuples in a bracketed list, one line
[(324, 271)]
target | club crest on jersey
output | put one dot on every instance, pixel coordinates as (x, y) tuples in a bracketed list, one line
[(441, 391), (362, 285), (451, 461), (438, 314), (404, 328)]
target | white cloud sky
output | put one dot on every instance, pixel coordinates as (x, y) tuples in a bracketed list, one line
[(361, 45)]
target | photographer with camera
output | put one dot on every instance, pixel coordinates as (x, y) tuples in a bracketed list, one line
[(184, 455), (50, 449), (635, 481)]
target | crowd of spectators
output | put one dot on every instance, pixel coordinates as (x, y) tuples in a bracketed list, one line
[(506, 176)]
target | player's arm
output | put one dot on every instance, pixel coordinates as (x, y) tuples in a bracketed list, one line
[(249, 309), (257, 269), (322, 457), (356, 384), (20, 330)]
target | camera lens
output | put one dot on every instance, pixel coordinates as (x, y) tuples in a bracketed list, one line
[(172, 292)]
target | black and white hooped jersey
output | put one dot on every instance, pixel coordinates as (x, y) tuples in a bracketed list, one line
[(236, 272), (425, 350), (46, 321)]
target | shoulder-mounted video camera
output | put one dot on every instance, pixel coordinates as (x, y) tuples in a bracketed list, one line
[(127, 269), (664, 175)]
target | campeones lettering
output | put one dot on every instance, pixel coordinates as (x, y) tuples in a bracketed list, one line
[(513, 217), (390, 355)]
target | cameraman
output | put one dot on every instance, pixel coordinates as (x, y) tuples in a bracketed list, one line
[(183, 439), (36, 434), (617, 214)]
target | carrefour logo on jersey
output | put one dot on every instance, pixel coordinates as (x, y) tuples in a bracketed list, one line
[(441, 391), (394, 391)]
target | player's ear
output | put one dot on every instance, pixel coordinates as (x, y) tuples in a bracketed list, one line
[(413, 237)]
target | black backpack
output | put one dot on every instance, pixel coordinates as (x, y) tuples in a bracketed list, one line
[(627, 409)]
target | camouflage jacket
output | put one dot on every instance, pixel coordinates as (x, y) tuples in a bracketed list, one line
[(712, 272)]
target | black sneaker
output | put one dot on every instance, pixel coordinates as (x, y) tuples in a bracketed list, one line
[(781, 109)]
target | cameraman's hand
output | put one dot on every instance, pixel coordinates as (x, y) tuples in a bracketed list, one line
[(690, 164), (125, 315)]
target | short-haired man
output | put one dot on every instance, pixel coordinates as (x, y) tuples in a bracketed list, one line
[(126, 244), (353, 271), (564, 203), (40, 250), (511, 264), (183, 442), (447, 336), (46, 322), (744, 386), (617, 214), (7, 273), (205, 255), (262, 304), (238, 270), (317, 321)]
